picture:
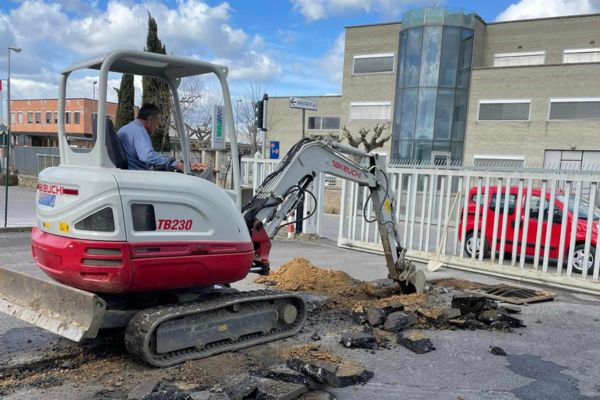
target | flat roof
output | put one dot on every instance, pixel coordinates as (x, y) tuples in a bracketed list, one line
[(56, 99), (545, 18), (490, 23), (375, 24)]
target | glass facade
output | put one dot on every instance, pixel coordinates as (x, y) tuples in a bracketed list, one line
[(434, 68)]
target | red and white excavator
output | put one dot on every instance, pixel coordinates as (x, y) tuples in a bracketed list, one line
[(154, 252)]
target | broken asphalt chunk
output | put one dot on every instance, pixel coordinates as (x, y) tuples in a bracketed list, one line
[(359, 315), (270, 389), (318, 371), (469, 302), (240, 386), (415, 341), (317, 395), (502, 320), (361, 340), (336, 375), (508, 309), (285, 374), (349, 374), (142, 389), (377, 315), (399, 320), (497, 351)]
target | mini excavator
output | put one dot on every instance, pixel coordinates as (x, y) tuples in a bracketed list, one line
[(155, 252)]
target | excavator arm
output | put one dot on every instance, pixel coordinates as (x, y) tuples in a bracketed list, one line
[(282, 190)]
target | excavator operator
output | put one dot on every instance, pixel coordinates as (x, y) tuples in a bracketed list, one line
[(137, 144)]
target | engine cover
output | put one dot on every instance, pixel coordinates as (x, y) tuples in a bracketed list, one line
[(116, 231)]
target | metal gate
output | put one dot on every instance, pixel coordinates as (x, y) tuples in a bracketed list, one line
[(530, 225), (255, 170)]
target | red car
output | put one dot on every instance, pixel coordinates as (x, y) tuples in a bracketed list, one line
[(534, 213)]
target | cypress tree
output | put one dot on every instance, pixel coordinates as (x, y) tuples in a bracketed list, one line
[(156, 91), (125, 107)]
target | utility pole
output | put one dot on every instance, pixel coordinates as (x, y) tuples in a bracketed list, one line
[(7, 152)]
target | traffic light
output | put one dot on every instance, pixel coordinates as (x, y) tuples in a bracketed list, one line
[(260, 113)]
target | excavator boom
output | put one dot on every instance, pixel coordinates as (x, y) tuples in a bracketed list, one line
[(281, 191)]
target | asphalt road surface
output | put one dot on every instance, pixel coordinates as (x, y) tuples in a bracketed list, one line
[(555, 357)]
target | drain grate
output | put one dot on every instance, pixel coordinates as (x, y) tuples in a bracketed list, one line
[(513, 294)]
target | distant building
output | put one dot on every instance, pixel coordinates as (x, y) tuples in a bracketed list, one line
[(34, 122), (453, 87)]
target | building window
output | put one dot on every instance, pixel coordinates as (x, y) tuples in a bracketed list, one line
[(20, 118), (517, 59), (324, 123), (29, 117), (48, 117), (55, 117), (77, 117), (13, 119), (504, 110), (373, 64), (572, 159), (38, 117), (380, 110), (68, 117), (581, 56), (574, 109)]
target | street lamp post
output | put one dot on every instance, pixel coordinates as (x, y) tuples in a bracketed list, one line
[(7, 152), (94, 90)]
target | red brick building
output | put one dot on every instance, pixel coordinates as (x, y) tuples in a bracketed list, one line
[(34, 122)]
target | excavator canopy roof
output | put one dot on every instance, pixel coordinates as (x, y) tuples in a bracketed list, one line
[(149, 64)]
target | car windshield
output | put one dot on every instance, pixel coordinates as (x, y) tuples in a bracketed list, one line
[(583, 207)]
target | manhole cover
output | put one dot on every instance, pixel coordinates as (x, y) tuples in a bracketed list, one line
[(513, 294)]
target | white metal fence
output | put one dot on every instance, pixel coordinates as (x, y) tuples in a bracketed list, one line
[(535, 226), (255, 170)]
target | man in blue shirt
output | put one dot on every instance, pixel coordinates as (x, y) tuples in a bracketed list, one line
[(137, 144)]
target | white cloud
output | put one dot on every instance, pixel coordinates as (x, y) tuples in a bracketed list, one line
[(525, 9), (314, 10), (332, 63), (61, 36)]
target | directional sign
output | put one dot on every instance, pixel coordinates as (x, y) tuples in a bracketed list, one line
[(305, 104)]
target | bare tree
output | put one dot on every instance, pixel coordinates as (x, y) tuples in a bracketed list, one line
[(375, 141), (244, 109), (196, 102)]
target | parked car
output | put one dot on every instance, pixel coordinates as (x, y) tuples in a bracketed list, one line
[(534, 214)]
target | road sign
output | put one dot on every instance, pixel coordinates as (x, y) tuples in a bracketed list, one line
[(217, 133), (274, 147), (305, 104)]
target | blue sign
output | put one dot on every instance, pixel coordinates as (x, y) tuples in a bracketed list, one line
[(47, 199), (274, 154)]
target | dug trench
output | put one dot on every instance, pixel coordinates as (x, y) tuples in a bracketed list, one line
[(362, 316)]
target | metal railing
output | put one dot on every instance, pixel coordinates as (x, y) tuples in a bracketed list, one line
[(255, 170), (531, 225), (47, 160)]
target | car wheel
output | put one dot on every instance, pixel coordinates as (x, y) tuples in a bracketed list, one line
[(481, 243), (579, 262)]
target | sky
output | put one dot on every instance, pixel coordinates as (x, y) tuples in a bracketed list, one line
[(284, 47)]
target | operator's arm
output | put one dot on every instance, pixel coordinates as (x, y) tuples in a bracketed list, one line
[(146, 153)]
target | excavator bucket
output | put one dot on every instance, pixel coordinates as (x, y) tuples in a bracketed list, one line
[(72, 313)]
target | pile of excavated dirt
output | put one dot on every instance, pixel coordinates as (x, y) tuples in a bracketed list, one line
[(299, 275)]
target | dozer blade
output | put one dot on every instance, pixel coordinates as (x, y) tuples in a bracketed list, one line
[(72, 313)]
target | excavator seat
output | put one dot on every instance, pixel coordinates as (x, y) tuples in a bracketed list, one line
[(114, 147)]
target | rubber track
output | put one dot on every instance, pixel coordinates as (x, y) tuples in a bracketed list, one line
[(143, 325)]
